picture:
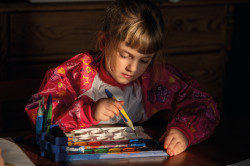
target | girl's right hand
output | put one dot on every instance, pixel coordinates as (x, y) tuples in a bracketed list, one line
[(106, 108)]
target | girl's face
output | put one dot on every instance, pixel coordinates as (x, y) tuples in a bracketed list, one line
[(129, 64)]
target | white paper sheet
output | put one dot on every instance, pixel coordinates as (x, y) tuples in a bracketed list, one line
[(13, 154), (46, 1), (241, 163)]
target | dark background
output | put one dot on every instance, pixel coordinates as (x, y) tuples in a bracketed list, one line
[(236, 85)]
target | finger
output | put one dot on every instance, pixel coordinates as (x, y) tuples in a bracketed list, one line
[(171, 146), (168, 139), (121, 102), (172, 143), (116, 106), (105, 118), (112, 109), (109, 113), (178, 148)]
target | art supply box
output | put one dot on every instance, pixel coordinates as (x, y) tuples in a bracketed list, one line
[(97, 143)]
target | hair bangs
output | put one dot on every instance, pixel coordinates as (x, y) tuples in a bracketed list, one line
[(146, 40)]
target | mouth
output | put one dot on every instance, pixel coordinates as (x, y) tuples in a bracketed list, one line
[(126, 76)]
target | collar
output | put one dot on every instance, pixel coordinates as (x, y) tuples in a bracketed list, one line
[(107, 78)]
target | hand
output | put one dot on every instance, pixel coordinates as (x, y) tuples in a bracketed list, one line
[(1, 158), (175, 141), (106, 108)]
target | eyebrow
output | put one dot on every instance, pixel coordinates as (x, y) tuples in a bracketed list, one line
[(145, 56)]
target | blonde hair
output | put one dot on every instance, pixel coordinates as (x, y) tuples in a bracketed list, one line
[(137, 22)]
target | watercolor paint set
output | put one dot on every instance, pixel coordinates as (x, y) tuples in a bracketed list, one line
[(98, 143)]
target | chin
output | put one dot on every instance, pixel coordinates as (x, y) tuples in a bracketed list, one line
[(124, 82)]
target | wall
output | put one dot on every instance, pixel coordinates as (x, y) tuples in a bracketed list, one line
[(36, 37)]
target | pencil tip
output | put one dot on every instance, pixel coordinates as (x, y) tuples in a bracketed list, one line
[(135, 133)]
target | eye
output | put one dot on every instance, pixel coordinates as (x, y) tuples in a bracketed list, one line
[(145, 61), (123, 55)]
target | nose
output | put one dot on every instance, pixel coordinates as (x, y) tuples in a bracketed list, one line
[(132, 66)]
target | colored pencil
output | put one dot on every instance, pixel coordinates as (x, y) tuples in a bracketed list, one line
[(123, 113)]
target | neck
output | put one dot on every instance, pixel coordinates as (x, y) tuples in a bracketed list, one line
[(107, 78)]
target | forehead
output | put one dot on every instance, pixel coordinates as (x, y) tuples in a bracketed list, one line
[(134, 52)]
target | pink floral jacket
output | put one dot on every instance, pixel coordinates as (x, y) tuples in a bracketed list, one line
[(192, 111)]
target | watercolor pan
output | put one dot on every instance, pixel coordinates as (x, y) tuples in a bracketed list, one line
[(48, 146)]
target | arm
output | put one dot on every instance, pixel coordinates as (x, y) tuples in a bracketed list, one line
[(65, 83), (191, 114), (194, 114)]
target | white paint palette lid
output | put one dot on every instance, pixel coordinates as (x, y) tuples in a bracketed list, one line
[(107, 133)]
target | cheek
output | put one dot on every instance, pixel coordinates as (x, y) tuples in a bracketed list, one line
[(119, 65)]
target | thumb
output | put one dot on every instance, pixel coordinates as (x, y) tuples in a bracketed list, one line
[(121, 102)]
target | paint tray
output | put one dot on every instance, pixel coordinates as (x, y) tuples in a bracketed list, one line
[(98, 143)]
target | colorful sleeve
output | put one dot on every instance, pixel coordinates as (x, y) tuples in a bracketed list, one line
[(65, 83), (196, 113)]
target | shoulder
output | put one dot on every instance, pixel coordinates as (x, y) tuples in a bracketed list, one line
[(167, 74), (176, 72), (79, 71), (84, 58), (78, 62), (75, 66), (166, 71)]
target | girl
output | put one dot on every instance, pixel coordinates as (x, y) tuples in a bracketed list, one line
[(1, 158), (129, 43)]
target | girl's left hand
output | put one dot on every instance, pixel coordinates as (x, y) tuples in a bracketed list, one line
[(175, 141), (1, 158)]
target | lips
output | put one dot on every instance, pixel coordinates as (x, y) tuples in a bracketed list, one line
[(126, 76)]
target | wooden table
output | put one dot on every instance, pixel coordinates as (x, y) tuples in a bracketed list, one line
[(229, 144)]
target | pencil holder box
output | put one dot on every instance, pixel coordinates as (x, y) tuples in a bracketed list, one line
[(97, 143)]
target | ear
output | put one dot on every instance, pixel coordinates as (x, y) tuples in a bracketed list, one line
[(101, 40)]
